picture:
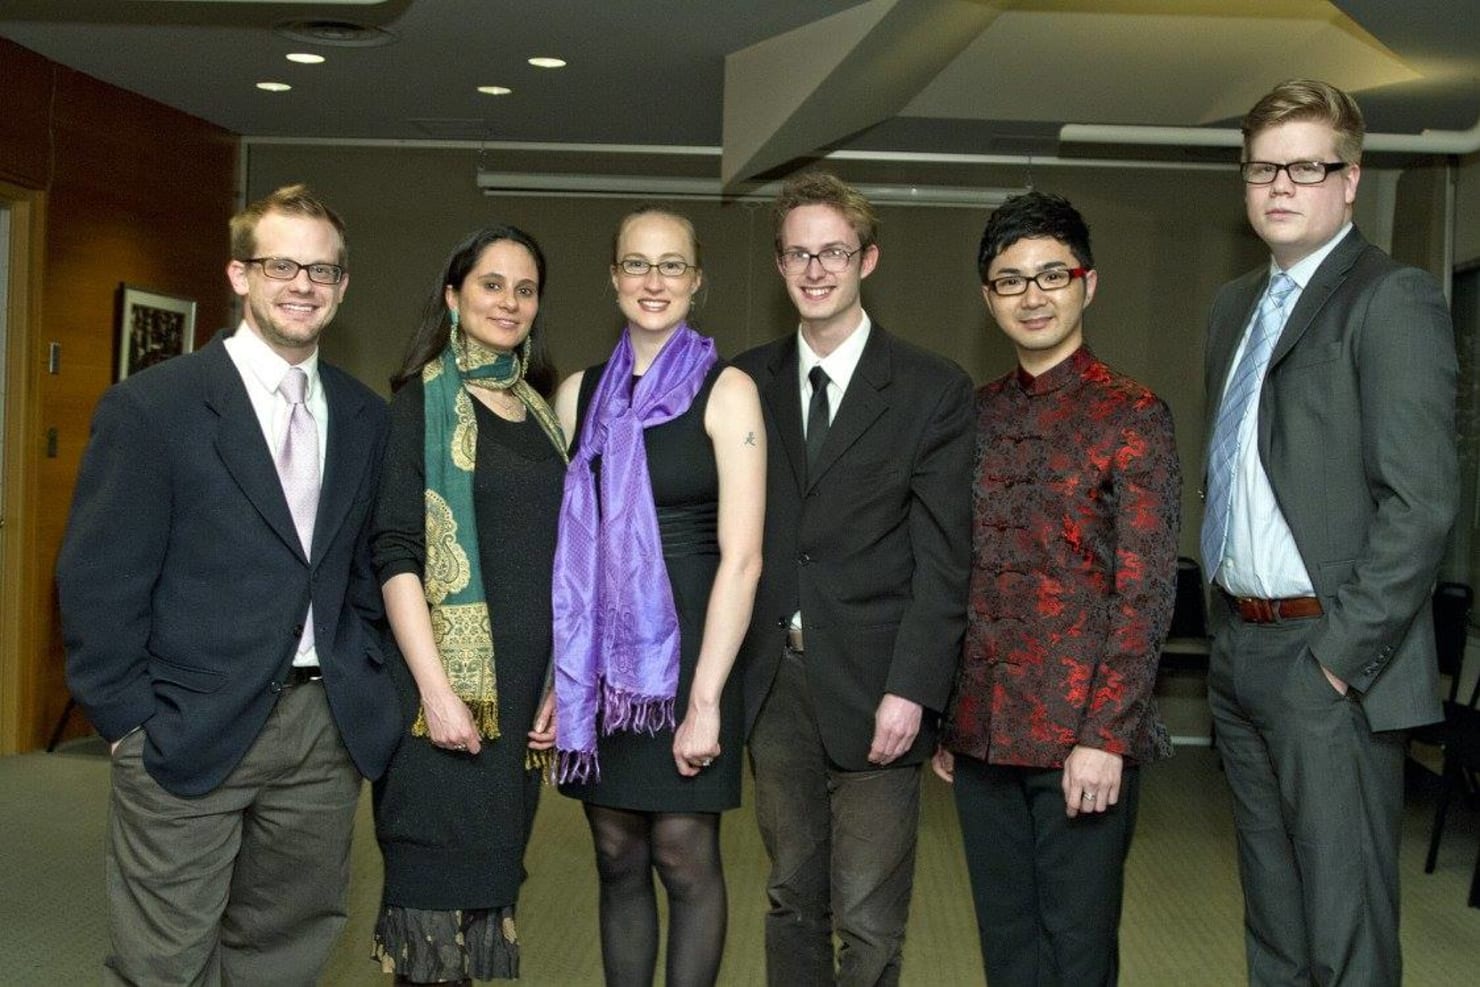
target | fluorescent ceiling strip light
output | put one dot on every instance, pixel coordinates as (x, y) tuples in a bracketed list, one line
[(712, 190)]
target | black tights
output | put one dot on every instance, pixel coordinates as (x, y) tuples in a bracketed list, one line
[(684, 848)]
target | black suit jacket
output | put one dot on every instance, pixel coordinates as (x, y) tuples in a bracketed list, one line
[(1356, 433), (183, 583), (874, 549)]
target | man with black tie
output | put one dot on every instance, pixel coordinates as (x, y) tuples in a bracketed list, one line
[(860, 611), (217, 607), (1331, 485)]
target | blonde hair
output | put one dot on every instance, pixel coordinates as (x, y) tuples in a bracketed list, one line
[(1313, 100), (819, 188), (650, 209), (292, 200)]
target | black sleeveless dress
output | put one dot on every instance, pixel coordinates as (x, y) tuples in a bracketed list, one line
[(637, 770)]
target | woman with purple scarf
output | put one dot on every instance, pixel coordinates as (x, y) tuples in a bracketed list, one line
[(656, 565)]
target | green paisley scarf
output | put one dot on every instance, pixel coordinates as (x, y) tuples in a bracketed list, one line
[(453, 577)]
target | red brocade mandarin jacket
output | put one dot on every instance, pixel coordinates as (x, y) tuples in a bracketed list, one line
[(1075, 512)]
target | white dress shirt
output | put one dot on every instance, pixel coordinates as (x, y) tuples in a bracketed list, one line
[(838, 365), (1260, 558), (262, 370)]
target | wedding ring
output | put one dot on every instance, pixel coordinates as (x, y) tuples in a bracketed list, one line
[(1089, 796), (706, 762), (459, 747)]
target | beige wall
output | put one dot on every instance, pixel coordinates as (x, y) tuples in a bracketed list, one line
[(1164, 240), (1418, 234), (1467, 212)]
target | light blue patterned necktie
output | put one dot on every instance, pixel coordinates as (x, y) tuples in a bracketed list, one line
[(1223, 452)]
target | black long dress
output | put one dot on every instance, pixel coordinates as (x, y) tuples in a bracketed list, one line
[(453, 827), (637, 770)]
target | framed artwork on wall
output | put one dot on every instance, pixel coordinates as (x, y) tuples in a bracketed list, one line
[(152, 327)]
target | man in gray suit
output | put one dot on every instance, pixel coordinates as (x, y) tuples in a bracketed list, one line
[(219, 614), (858, 619), (1330, 490)]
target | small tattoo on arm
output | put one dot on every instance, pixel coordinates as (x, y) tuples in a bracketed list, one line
[(750, 438)]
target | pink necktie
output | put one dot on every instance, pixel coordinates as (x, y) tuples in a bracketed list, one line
[(298, 469)]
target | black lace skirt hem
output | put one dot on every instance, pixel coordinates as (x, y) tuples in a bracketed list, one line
[(432, 947)]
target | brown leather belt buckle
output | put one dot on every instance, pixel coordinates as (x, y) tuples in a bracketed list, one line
[(794, 639), (1256, 611)]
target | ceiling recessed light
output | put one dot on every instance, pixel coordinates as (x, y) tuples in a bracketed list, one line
[(274, 87), (547, 63), (495, 90), (305, 58)]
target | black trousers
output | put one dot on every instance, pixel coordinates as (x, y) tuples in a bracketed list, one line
[(1047, 888), (1318, 804)]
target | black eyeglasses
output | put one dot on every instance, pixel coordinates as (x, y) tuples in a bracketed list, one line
[(1052, 279), (637, 267), (283, 269), (834, 260), (1300, 172)]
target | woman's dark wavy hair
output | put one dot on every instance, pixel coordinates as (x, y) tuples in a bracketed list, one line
[(431, 335)]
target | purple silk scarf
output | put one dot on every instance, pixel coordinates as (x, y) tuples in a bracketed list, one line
[(616, 630)]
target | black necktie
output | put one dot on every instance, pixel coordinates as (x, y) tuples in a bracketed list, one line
[(817, 416)]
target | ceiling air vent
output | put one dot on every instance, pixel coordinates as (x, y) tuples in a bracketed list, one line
[(343, 34)]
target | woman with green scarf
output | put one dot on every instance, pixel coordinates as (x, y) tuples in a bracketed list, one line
[(464, 541)]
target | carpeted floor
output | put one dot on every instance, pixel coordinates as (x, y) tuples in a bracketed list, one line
[(1181, 925)]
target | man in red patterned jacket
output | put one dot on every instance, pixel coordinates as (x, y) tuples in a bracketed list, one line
[(1074, 544)]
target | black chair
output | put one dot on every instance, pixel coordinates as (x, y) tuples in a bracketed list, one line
[(1458, 735), (1188, 645), (1452, 604)]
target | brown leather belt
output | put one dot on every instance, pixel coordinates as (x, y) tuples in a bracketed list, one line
[(794, 639), (1256, 611)]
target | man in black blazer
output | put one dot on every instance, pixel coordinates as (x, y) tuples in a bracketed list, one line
[(219, 613), (858, 619), (1331, 485)]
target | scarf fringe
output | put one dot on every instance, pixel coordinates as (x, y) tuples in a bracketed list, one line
[(541, 761), (626, 711), (579, 767)]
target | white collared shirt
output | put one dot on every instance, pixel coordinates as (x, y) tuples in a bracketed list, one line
[(262, 370), (1260, 558), (838, 365)]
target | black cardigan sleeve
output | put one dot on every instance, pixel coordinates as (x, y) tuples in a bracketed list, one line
[(398, 543)]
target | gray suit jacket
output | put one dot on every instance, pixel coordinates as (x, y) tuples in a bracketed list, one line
[(874, 547), (1357, 435)]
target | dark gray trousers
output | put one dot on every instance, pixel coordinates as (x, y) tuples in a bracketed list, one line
[(243, 885), (1318, 804), (842, 848)]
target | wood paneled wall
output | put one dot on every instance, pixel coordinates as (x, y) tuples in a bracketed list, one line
[(136, 193)]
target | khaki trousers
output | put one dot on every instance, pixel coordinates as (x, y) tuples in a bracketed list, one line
[(246, 884)]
